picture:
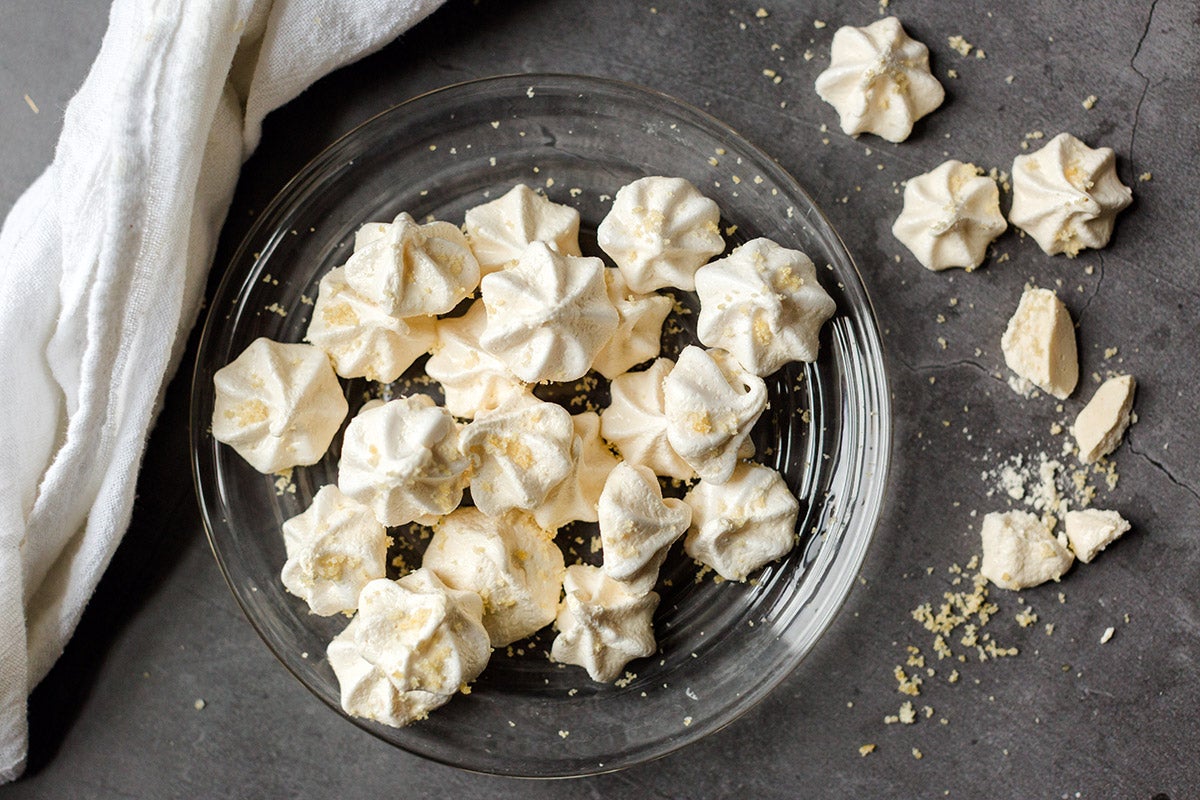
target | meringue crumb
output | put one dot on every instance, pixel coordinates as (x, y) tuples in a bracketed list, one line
[(1145, 176), (818, 23), (866, 750), (960, 44), (32, 105), (1008, 79), (917, 754), (951, 73), (1089, 102), (495, 123), (564, 734), (687, 721), (1108, 634), (275, 308), (762, 13), (1026, 617), (1049, 628), (200, 704)]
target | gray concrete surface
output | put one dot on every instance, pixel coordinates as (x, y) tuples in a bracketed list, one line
[(1069, 717)]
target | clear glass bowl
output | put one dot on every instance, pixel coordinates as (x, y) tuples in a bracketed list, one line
[(722, 646)]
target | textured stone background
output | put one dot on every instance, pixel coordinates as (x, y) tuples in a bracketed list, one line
[(1069, 717)]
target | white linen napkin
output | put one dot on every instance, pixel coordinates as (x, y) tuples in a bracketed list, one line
[(102, 267)]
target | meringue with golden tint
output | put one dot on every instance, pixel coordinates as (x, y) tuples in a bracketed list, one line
[(602, 625), (548, 315), (278, 405), (520, 451), (472, 379), (1067, 195), (402, 458), (742, 524), (334, 548), (951, 214), (638, 526), (879, 80), (636, 423), (511, 562), (763, 305), (412, 269), (640, 320), (1019, 551), (1039, 343), (1102, 422), (361, 339), (659, 231), (575, 498), (1091, 530), (711, 403), (413, 644), (499, 231)]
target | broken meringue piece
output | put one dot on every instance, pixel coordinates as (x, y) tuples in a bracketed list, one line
[(636, 424), (499, 231), (879, 80), (576, 497), (637, 526), (1102, 422), (951, 214), (659, 231), (1019, 551), (1039, 343), (602, 625), (1091, 530), (639, 327), (1067, 195)]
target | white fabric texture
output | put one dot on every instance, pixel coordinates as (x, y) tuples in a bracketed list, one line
[(102, 268)]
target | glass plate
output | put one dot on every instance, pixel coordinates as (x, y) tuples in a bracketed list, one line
[(722, 646)]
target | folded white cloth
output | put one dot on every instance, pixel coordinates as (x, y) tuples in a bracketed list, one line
[(102, 266)]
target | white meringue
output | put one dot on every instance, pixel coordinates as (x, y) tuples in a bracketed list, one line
[(764, 305), (659, 231), (1067, 195), (1102, 422), (1091, 530), (951, 214), (412, 645), (740, 525), (278, 405), (520, 451), (361, 339), (711, 403), (602, 625), (402, 458), (637, 526), (472, 379), (510, 562), (334, 548), (548, 316), (639, 327), (500, 231), (1039, 343), (413, 269), (879, 80), (636, 424), (576, 497), (1020, 552)]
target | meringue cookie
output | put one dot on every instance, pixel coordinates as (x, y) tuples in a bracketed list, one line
[(639, 327), (637, 526), (1091, 530), (1020, 552), (602, 625), (402, 458), (764, 305), (1039, 343), (1067, 195), (740, 525), (951, 214), (659, 231), (1102, 422), (711, 403), (510, 562), (500, 231), (334, 549), (413, 269), (412, 645), (520, 451), (472, 379), (361, 339), (576, 497), (278, 405), (548, 316), (878, 80), (636, 424)]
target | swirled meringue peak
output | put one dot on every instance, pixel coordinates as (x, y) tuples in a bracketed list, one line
[(636, 423), (411, 269), (412, 645), (639, 327), (659, 231), (879, 80), (711, 403), (602, 625), (520, 451), (473, 380), (402, 458), (740, 525), (1067, 195), (334, 548), (361, 339), (637, 526), (511, 562), (500, 231), (576, 497), (951, 214), (278, 405), (764, 305), (549, 315)]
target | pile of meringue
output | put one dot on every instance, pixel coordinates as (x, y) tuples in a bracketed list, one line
[(507, 304)]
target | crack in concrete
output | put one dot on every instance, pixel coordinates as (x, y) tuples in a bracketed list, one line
[(1096, 291), (949, 365), (1137, 111), (1161, 468)]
